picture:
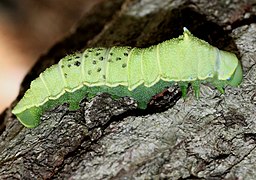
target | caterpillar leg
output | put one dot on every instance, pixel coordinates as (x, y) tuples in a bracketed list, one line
[(142, 104), (196, 88), (184, 88), (221, 90), (219, 86)]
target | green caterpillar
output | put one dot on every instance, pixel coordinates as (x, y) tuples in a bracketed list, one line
[(125, 71)]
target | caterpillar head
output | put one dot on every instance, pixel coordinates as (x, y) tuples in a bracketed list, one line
[(237, 76), (229, 68)]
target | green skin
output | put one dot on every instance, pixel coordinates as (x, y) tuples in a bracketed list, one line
[(126, 71)]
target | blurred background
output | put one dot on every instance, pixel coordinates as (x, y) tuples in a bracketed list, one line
[(28, 28)]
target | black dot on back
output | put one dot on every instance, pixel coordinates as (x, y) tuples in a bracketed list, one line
[(77, 63), (124, 65)]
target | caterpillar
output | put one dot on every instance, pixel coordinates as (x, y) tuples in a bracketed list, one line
[(125, 71)]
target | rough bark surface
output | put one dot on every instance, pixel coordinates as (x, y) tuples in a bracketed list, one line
[(210, 138)]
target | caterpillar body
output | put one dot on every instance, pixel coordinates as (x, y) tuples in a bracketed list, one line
[(125, 71)]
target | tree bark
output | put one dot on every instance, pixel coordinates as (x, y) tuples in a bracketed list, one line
[(210, 138)]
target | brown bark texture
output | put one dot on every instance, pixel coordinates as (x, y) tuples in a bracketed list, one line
[(210, 138)]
